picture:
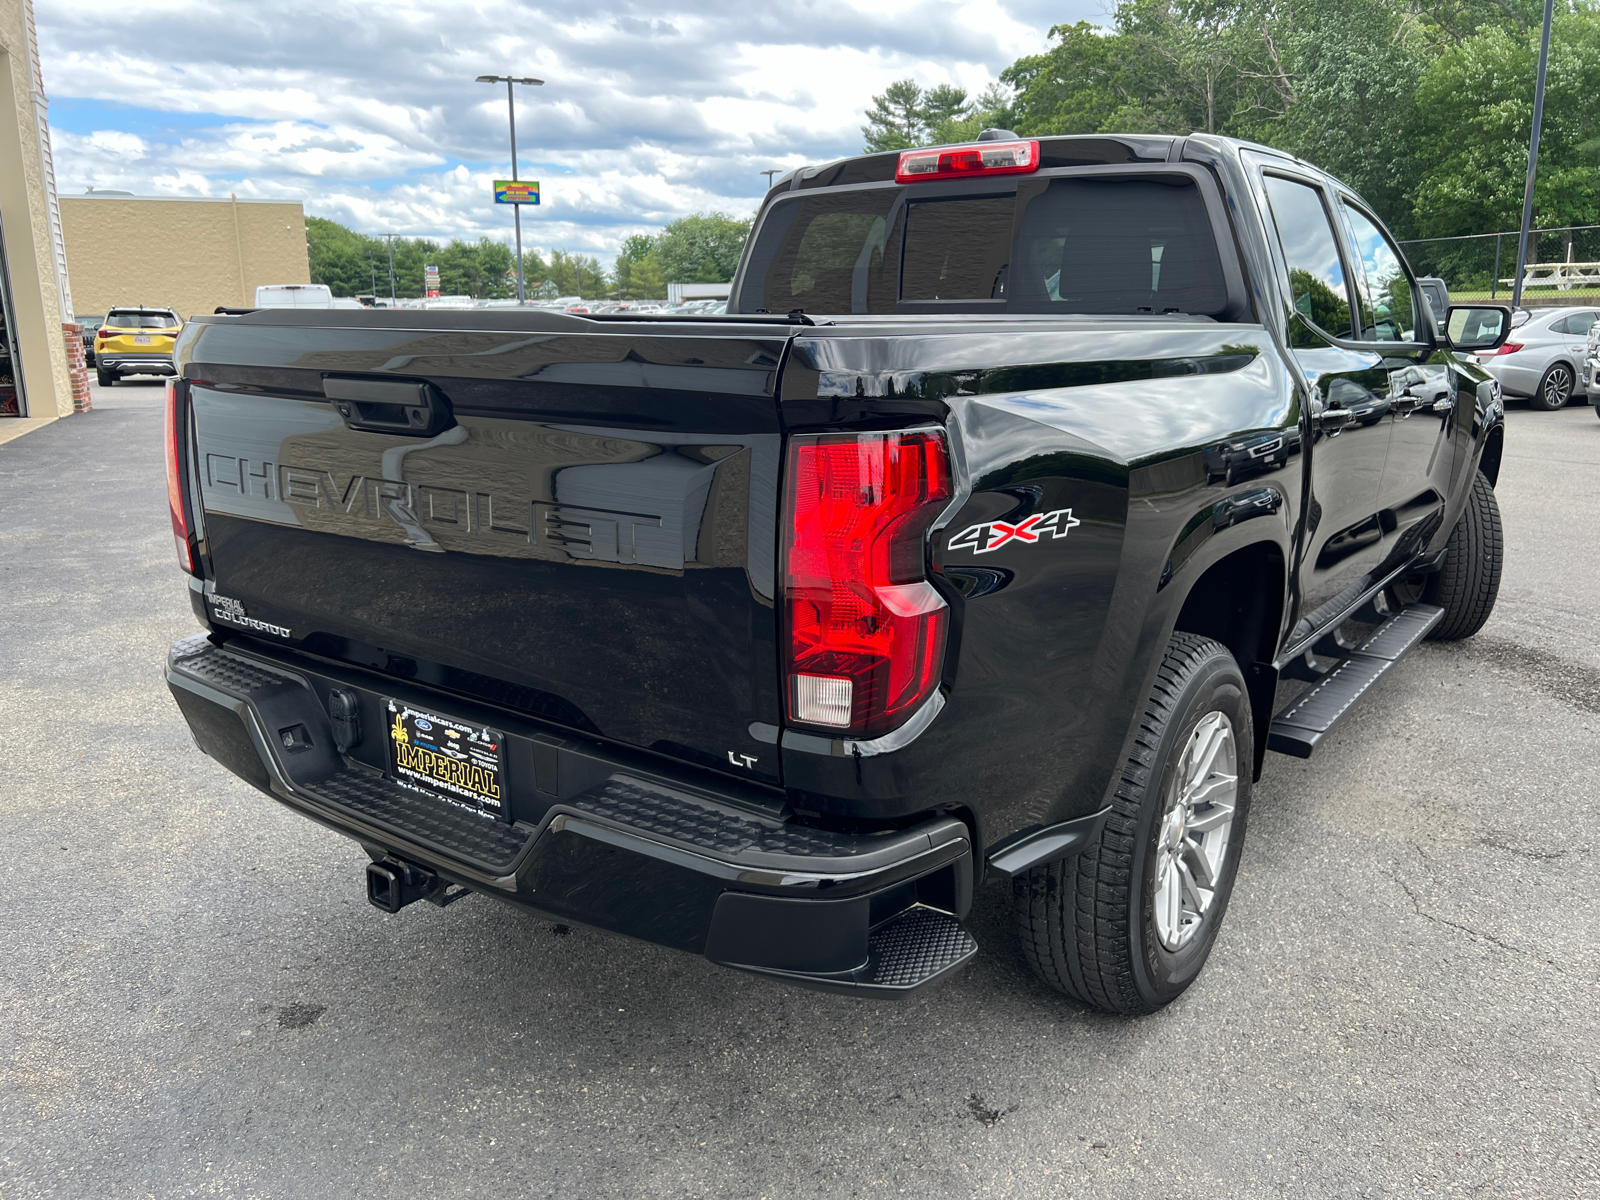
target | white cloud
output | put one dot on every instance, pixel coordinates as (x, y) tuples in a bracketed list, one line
[(368, 112)]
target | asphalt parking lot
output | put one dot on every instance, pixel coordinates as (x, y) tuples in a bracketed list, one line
[(196, 998)]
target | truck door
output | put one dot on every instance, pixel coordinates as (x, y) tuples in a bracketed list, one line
[(1416, 474), (1345, 431)]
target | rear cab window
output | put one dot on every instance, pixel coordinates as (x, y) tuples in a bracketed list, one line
[(1138, 242)]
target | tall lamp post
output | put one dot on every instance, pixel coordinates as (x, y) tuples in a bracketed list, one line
[(1533, 159), (511, 108)]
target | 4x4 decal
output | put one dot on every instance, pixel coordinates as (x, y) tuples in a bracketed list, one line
[(991, 535)]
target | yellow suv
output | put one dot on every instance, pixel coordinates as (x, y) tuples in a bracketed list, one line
[(135, 341)]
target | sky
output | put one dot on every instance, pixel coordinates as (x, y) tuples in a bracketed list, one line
[(368, 113)]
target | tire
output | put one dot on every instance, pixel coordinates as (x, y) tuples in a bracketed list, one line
[(1555, 389), (1466, 586), (105, 378), (1088, 924)]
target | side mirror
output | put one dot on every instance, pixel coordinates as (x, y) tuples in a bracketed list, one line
[(1477, 327)]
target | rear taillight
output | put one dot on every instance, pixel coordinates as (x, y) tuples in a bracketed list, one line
[(175, 468), (1508, 348), (963, 162), (866, 630)]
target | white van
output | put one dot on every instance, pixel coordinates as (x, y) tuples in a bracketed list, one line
[(294, 295)]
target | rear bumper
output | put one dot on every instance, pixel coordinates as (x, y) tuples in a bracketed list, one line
[(602, 842), (135, 364)]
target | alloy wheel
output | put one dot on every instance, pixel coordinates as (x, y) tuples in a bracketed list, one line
[(1557, 386), (1193, 841)]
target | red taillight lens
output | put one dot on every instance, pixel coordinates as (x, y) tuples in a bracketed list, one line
[(175, 504), (866, 630), (1508, 348), (962, 162)]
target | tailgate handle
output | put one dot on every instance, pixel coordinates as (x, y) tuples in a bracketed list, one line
[(402, 406)]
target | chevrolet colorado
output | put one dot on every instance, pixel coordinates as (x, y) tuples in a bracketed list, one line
[(973, 545)]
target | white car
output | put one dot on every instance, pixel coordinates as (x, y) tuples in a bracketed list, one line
[(1546, 357)]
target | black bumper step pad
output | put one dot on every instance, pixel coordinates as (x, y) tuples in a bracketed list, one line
[(1310, 717), (481, 841), (915, 948), (660, 812)]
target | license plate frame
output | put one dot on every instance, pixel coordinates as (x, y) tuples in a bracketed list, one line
[(458, 762)]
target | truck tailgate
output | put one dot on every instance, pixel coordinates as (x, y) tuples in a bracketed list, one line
[(577, 525)]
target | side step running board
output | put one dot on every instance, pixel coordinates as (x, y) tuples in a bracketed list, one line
[(1300, 728)]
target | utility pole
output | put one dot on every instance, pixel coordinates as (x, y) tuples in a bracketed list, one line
[(1533, 157), (390, 238), (511, 108), (770, 173)]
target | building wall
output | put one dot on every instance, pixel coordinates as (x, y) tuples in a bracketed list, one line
[(187, 254), (37, 276)]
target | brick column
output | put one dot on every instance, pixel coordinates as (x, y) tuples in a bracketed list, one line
[(77, 367)]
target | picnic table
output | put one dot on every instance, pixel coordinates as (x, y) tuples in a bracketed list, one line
[(1563, 276)]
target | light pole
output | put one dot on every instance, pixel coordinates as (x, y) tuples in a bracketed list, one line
[(1533, 159), (770, 173), (511, 108)]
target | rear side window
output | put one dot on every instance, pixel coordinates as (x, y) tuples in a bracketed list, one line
[(1117, 246), (1316, 273), (825, 254)]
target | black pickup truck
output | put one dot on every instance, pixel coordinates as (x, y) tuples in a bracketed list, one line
[(973, 545)]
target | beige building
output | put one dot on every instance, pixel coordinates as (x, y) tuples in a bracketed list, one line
[(188, 254), (41, 351)]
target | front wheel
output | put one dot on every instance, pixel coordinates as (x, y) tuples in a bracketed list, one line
[(1555, 389), (1127, 924), (1468, 582)]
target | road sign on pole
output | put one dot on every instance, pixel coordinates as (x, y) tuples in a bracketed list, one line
[(430, 282), (516, 191)]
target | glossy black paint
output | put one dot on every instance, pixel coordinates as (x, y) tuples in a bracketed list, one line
[(582, 530), (1220, 478)]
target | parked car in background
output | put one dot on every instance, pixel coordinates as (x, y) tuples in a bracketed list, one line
[(1541, 359), (91, 326), (135, 341), (294, 295), (1591, 367), (1438, 296)]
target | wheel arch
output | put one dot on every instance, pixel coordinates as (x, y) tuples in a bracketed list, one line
[(1494, 445), (1239, 601)]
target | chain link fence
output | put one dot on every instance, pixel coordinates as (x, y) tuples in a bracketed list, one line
[(1563, 265)]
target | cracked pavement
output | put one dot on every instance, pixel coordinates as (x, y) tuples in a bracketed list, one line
[(196, 999)]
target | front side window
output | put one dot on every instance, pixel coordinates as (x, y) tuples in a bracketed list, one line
[(1388, 303), (1316, 274)]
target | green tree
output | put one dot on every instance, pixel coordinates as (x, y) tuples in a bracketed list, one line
[(1475, 109), (703, 248), (895, 120), (638, 271)]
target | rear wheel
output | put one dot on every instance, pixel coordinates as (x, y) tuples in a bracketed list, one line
[(1466, 586), (1555, 389), (1127, 924), (105, 378)]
